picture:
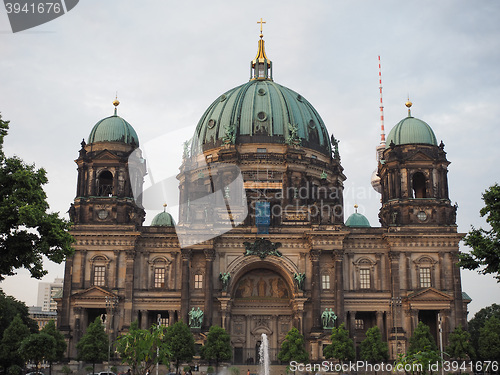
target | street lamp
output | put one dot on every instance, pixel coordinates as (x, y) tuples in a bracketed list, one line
[(111, 303), (396, 302)]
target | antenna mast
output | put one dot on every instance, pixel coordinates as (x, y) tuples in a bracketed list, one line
[(382, 131)]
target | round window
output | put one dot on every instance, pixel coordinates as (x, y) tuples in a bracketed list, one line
[(422, 216), (262, 116), (211, 124), (261, 92)]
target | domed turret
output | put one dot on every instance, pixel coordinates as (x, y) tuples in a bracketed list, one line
[(411, 130), (357, 220), (163, 219), (113, 129)]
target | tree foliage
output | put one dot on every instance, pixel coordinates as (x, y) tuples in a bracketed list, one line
[(27, 230), (489, 340), (460, 345), (60, 343), (422, 340), (218, 346), (373, 349), (93, 346), (477, 322), (10, 308), (12, 337), (141, 349), (38, 347), (342, 347), (485, 244), (293, 348), (180, 343)]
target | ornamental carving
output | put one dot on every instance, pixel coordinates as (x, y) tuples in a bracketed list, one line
[(262, 247)]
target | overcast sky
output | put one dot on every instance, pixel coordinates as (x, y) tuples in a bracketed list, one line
[(169, 60)]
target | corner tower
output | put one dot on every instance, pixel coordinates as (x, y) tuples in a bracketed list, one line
[(110, 170), (413, 177)]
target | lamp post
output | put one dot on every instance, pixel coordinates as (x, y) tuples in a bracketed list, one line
[(396, 302), (157, 346), (111, 303), (441, 342)]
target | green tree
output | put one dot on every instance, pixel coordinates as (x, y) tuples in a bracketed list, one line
[(38, 347), (141, 349), (15, 333), (373, 349), (93, 346), (342, 347), (460, 346), (218, 346), (10, 308), (477, 322), (180, 343), (293, 348), (60, 343), (489, 340), (485, 244), (422, 340), (27, 230)]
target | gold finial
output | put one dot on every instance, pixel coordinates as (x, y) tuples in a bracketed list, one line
[(356, 208), (164, 207), (116, 103), (408, 105), (261, 22)]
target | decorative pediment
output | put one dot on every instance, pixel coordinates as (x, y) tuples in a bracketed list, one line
[(93, 293), (429, 294), (104, 155), (420, 156)]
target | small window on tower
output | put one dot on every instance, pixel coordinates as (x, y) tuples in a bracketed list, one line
[(99, 275), (359, 323), (425, 277), (198, 281), (105, 184), (364, 278), (262, 150), (325, 282), (419, 185), (159, 277)]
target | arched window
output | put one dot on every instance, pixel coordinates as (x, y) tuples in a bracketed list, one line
[(418, 183), (105, 184)]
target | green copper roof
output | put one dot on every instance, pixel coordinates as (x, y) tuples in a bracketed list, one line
[(163, 219), (262, 111), (357, 220), (411, 130), (113, 129)]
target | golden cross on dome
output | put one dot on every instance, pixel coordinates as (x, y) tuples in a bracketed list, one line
[(261, 22)]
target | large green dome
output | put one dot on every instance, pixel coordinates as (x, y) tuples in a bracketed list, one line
[(411, 130), (358, 221), (113, 129), (262, 111)]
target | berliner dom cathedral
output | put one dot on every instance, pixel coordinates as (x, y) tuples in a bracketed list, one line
[(261, 243)]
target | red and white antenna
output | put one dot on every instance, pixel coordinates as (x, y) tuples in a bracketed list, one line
[(382, 131)]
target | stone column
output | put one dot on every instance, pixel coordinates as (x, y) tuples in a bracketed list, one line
[(315, 289), (144, 319), (117, 267), (186, 256), (380, 321), (129, 286), (208, 287), (339, 285), (442, 270), (457, 291), (352, 323), (82, 269)]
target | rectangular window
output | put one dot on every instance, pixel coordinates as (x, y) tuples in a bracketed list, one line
[(364, 278), (425, 277), (159, 277), (325, 282), (99, 275), (198, 281), (359, 323), (262, 150)]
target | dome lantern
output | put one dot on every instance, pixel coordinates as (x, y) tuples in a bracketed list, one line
[(261, 66)]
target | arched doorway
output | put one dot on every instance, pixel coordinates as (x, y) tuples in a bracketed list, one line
[(261, 305)]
